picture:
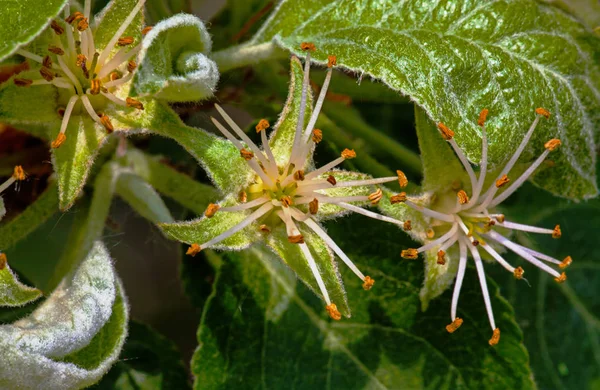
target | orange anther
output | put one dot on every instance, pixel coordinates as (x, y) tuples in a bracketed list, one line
[(348, 154), (193, 250), (502, 181), (446, 132), (410, 254), (543, 112), (451, 328), (556, 233), (211, 210), (566, 262), (495, 337), (368, 283), (398, 198), (333, 312), (263, 124), (482, 117), (60, 139), (402, 180), (297, 239), (308, 46), (441, 257)]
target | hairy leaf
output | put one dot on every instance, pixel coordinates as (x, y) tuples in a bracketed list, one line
[(455, 58), (110, 19), (12, 292)]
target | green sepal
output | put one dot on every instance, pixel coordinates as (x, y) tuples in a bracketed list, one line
[(110, 19), (173, 62), (140, 195), (293, 257), (203, 229), (21, 21), (330, 210), (438, 278), (14, 293), (282, 139)]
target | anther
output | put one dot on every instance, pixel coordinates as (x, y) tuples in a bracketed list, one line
[(211, 210), (398, 198), (264, 228), (429, 233), (299, 175), (561, 279), (451, 328), (131, 65), (19, 82), (441, 257), (114, 76), (146, 30), (47, 74), (105, 120), (552, 145), (134, 103), (263, 124), (407, 226), (410, 254), (402, 180), (565, 263), (47, 62), (3, 261), (286, 201), (368, 283), (556, 233), (246, 154), (83, 25), (543, 112), (331, 61), (495, 337), (95, 86), (60, 139), (56, 50), (462, 196), (57, 27), (313, 206), (81, 60), (376, 196), (502, 181), (518, 273), (500, 218), (243, 197), (125, 41), (348, 154), (482, 117), (446, 132), (193, 250), (331, 180), (18, 173), (307, 46), (333, 312), (317, 136), (297, 239), (475, 243), (73, 17)]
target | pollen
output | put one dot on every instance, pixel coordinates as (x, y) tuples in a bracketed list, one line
[(561, 279), (134, 103), (60, 139), (446, 132), (398, 198), (565, 263), (462, 196), (243, 196), (331, 61), (211, 210), (264, 228), (500, 218), (331, 180), (95, 86), (57, 28), (556, 233), (263, 124), (74, 17), (410, 254), (81, 60), (47, 74), (502, 181), (333, 311), (430, 233), (83, 24), (299, 175), (402, 180), (553, 144), (368, 283), (451, 328), (482, 117), (376, 196), (297, 239), (543, 112), (286, 201), (495, 337), (441, 257), (193, 250), (125, 41), (19, 82), (146, 30), (131, 65), (317, 136), (105, 120), (18, 173), (313, 206), (307, 46), (56, 50), (407, 226), (348, 154), (518, 273), (246, 154)]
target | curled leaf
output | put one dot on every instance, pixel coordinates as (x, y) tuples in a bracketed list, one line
[(12, 292)]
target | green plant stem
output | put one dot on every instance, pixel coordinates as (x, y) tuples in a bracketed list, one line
[(243, 55), (349, 119)]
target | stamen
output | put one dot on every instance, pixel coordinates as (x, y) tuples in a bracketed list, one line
[(398, 198), (263, 124), (134, 103), (74, 17), (95, 86), (331, 61), (331, 180), (446, 132), (20, 82), (462, 265), (246, 154), (368, 283), (482, 117), (543, 112), (376, 196), (370, 214), (47, 74), (211, 210), (552, 145), (561, 278), (57, 28), (249, 219), (125, 41), (441, 259), (317, 136), (60, 139), (495, 337), (463, 198), (313, 206), (56, 50), (297, 239), (193, 250), (18, 173), (518, 273), (410, 254), (402, 180), (566, 262), (333, 311), (407, 226), (556, 233), (131, 65), (299, 175), (105, 121), (428, 212), (453, 327), (348, 154), (484, 289), (528, 228), (286, 201), (502, 181), (307, 46), (83, 25)]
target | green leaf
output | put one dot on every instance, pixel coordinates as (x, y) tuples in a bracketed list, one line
[(140, 195), (110, 19), (455, 60), (173, 62), (293, 257), (199, 231), (35, 215), (72, 338), (22, 21), (276, 334), (587, 11), (12, 292)]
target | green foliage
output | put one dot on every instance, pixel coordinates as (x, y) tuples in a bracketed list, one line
[(14, 293), (22, 21), (455, 60)]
